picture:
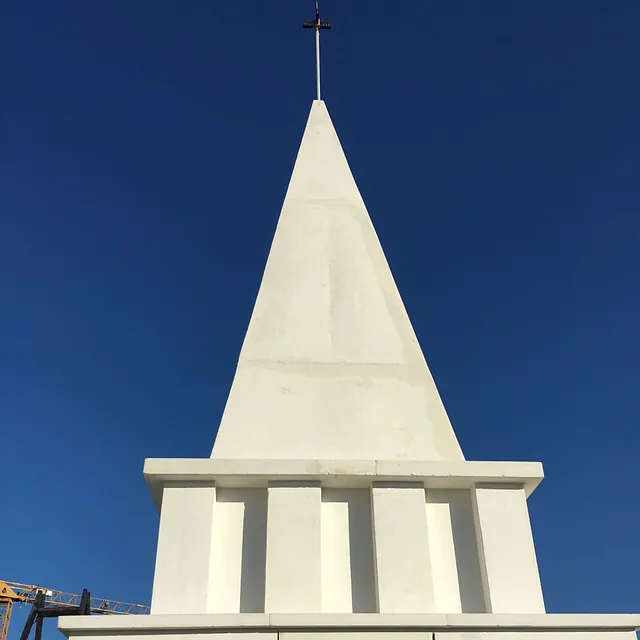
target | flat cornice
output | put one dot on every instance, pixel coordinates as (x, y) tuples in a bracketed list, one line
[(136, 624), (251, 473)]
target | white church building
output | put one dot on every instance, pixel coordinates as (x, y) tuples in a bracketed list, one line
[(337, 503)]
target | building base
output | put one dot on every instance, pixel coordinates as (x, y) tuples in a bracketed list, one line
[(264, 626)]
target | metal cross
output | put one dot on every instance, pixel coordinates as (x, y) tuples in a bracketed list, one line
[(317, 25)]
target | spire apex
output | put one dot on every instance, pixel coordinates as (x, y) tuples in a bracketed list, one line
[(317, 25)]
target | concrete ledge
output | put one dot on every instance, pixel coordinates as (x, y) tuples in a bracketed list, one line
[(140, 625), (336, 473), (310, 621), (539, 621)]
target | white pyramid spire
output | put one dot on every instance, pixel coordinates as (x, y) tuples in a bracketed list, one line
[(330, 367)]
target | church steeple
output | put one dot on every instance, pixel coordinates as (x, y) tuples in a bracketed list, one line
[(337, 500), (330, 366)]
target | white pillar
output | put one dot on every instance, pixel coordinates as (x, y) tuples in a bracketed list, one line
[(443, 552), (293, 583), (181, 580), (457, 581), (505, 545), (400, 538)]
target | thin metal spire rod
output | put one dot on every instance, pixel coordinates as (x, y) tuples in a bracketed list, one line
[(318, 62), (317, 25)]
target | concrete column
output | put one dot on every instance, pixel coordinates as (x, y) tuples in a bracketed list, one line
[(400, 539), (293, 583), (181, 580), (505, 546), (457, 581)]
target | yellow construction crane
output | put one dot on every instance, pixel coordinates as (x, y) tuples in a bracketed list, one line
[(11, 592)]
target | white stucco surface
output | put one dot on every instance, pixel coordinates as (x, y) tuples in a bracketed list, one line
[(496, 627), (348, 572), (238, 551), (454, 552), (341, 538), (230, 473), (293, 579), (508, 559), (401, 548), (181, 581), (330, 366)]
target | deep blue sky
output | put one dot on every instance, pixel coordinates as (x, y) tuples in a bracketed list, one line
[(145, 150)]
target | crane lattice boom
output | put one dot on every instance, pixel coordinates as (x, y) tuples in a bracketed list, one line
[(11, 592)]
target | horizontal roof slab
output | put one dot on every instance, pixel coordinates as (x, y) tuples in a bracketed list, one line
[(337, 473)]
